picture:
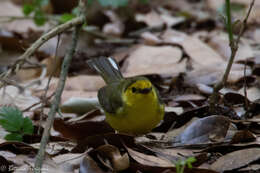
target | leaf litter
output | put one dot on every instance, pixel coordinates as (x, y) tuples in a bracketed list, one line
[(182, 47)]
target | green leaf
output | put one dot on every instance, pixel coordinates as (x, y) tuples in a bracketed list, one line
[(27, 126), (28, 9), (39, 18), (66, 17), (190, 160), (14, 137), (113, 3), (11, 119)]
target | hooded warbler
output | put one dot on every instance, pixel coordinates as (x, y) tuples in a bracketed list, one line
[(131, 105)]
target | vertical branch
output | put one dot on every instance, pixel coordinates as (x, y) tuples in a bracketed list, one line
[(233, 44), (57, 98), (229, 21), (56, 101)]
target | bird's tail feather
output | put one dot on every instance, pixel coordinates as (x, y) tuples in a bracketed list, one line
[(107, 68)]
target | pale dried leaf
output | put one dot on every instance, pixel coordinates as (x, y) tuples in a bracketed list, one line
[(149, 160), (154, 60), (236, 159)]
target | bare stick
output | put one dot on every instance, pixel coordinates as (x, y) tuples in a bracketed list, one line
[(56, 101), (60, 87), (44, 98), (233, 44), (55, 31), (245, 91)]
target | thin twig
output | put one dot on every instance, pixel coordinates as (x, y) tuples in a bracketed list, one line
[(245, 89), (233, 44), (12, 82), (56, 101), (60, 87), (48, 83), (40, 102), (38, 43)]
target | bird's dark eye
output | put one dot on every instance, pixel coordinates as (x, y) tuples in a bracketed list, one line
[(134, 89)]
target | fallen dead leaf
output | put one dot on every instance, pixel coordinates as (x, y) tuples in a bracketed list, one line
[(213, 128), (116, 27), (11, 95), (219, 42), (119, 161), (243, 136), (254, 16), (68, 162), (149, 159), (236, 159), (253, 93), (149, 59), (151, 19), (84, 83), (88, 165), (81, 129), (200, 53)]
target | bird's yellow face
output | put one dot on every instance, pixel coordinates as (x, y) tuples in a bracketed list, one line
[(141, 89)]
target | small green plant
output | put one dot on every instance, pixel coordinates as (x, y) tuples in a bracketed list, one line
[(12, 120), (35, 8), (181, 164)]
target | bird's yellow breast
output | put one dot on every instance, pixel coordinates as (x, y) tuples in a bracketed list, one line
[(140, 113)]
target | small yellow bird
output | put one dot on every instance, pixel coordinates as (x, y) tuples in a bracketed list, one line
[(131, 105)]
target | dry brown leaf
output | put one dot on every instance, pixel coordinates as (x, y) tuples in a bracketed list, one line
[(68, 162), (29, 74), (150, 38), (67, 94), (79, 86), (213, 128), (219, 42), (175, 132), (236, 159), (53, 65), (243, 136), (208, 66), (174, 154), (254, 16), (88, 165), (201, 54), (253, 93), (209, 75), (81, 129), (119, 161), (53, 148), (149, 160), (116, 27), (84, 83), (188, 97), (11, 95), (151, 19), (154, 60)]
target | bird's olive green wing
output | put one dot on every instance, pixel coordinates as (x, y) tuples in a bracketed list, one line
[(110, 97), (158, 95)]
